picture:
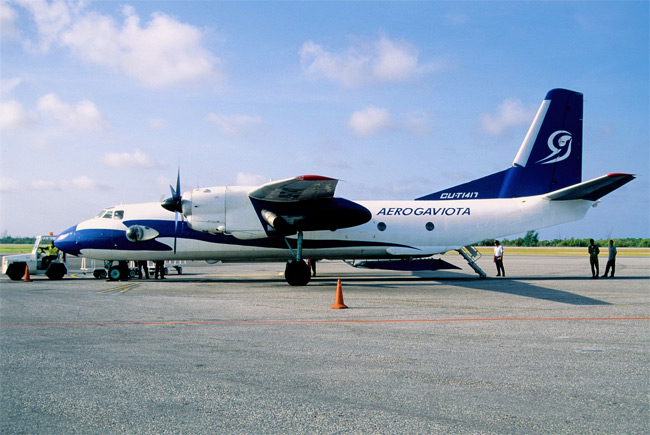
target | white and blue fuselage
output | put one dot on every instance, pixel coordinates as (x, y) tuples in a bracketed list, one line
[(397, 229)]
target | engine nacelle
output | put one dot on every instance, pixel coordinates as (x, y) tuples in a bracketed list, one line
[(222, 209)]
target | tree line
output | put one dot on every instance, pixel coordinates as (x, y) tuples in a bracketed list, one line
[(532, 239), (8, 240)]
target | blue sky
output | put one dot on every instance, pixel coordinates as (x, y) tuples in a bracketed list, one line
[(100, 101)]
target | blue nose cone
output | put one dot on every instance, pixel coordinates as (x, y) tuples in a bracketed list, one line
[(67, 241)]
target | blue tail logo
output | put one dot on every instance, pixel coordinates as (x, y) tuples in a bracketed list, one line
[(560, 146)]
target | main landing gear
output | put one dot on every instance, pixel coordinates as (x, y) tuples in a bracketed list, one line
[(297, 272)]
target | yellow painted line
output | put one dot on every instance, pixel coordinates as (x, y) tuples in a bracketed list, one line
[(123, 289)]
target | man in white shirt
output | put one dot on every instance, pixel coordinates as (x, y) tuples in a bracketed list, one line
[(611, 260), (498, 258)]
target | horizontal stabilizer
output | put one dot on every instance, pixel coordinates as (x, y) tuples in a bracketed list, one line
[(406, 265), (591, 190)]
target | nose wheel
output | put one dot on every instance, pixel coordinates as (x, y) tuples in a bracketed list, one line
[(297, 272)]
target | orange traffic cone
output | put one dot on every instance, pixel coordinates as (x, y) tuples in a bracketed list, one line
[(27, 278), (338, 301)]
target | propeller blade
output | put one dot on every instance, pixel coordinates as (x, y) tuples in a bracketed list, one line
[(178, 183), (175, 229)]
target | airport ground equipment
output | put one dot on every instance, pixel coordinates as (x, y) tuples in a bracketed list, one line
[(43, 260), (471, 255)]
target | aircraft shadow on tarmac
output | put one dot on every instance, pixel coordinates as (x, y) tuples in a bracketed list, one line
[(509, 286), (506, 286)]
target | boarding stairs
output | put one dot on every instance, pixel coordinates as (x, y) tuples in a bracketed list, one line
[(471, 255)]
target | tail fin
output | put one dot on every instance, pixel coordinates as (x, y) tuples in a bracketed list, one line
[(550, 157)]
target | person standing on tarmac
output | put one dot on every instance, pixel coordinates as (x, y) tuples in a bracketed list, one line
[(142, 265), (611, 260), (498, 258), (593, 258), (160, 269)]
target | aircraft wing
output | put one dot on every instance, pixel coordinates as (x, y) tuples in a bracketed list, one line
[(305, 203), (302, 188), (591, 190)]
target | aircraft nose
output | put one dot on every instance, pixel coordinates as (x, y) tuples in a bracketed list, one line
[(66, 241)]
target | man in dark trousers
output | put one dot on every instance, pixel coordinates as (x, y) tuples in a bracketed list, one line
[(498, 258), (160, 269), (593, 258), (611, 260), (142, 265)]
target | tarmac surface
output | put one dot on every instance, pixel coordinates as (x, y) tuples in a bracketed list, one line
[(234, 349)]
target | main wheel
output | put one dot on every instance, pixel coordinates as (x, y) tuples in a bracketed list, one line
[(114, 273), (56, 271), (297, 273)]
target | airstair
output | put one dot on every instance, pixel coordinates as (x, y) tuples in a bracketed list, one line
[(471, 255)]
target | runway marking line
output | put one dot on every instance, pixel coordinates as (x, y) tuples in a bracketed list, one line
[(288, 322), (123, 289)]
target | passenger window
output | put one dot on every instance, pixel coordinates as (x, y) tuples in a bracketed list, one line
[(119, 214), (108, 215)]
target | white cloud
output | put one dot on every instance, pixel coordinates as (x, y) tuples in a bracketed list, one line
[(7, 19), (13, 115), (82, 115), (384, 60), (158, 53), (236, 125), (246, 179), (157, 124), (395, 60), (9, 184), (510, 113), (86, 183), (45, 185), (50, 18), (8, 85), (82, 183), (370, 121), (136, 159)]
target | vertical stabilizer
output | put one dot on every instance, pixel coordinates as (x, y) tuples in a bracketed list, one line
[(550, 156)]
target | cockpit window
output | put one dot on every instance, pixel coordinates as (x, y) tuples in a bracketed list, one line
[(119, 214), (100, 214), (108, 215)]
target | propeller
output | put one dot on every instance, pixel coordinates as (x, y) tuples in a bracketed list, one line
[(175, 204)]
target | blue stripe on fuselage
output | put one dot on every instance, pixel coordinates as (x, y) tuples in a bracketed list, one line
[(110, 239)]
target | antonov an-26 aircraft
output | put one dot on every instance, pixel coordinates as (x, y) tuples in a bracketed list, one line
[(300, 218)]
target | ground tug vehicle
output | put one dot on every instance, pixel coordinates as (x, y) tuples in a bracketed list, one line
[(44, 259)]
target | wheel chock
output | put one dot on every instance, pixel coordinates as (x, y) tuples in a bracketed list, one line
[(338, 301), (27, 278)]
